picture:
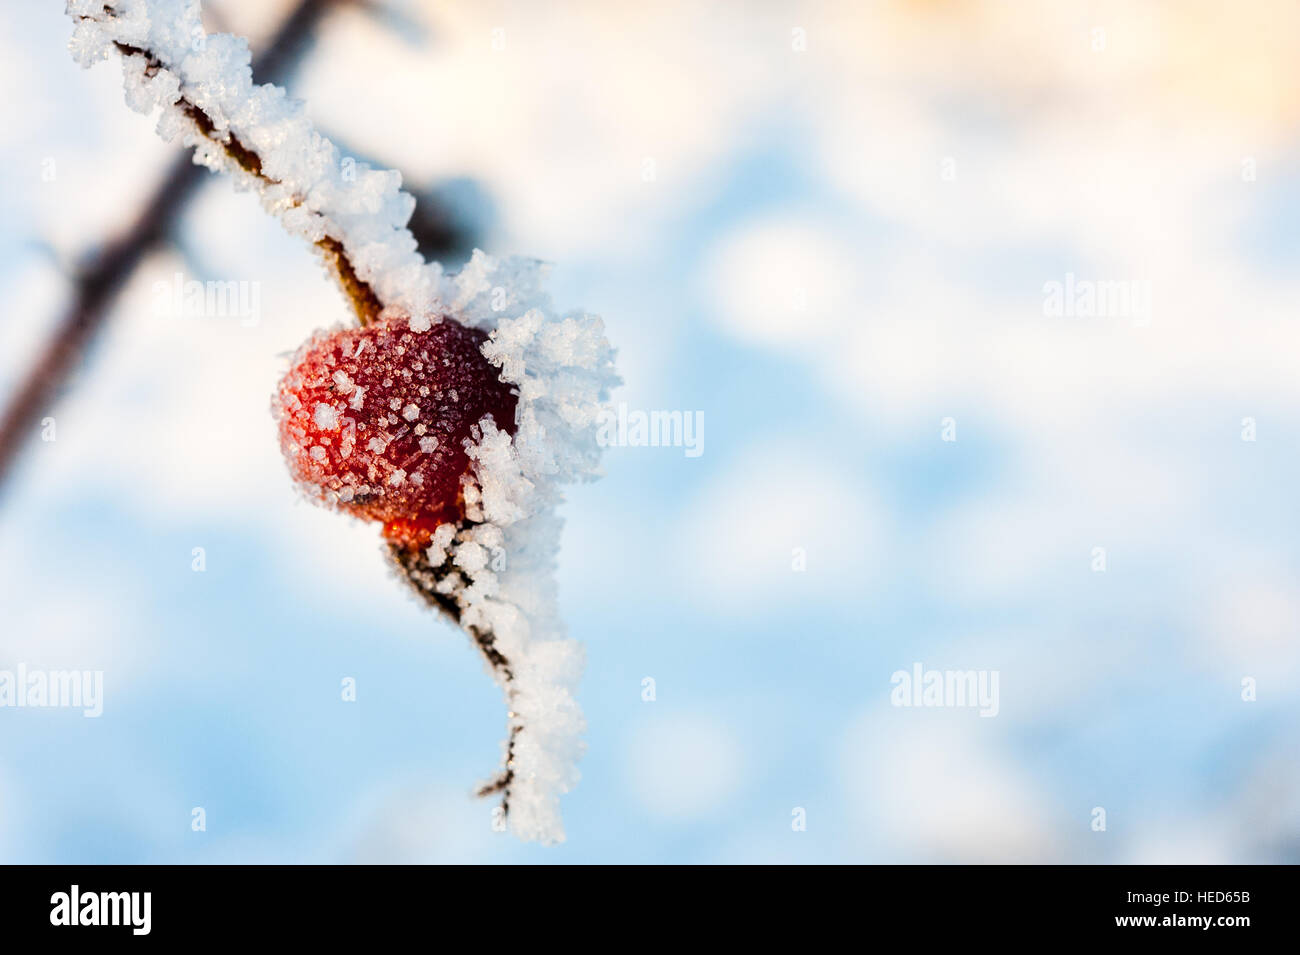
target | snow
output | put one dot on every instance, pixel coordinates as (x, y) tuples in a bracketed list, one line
[(326, 417), (563, 368), (561, 364), (316, 194)]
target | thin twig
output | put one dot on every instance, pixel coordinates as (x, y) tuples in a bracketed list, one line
[(97, 283), (442, 586), (365, 302)]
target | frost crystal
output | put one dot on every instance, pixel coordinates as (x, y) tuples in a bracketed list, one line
[(326, 417), (168, 56), (563, 370), (560, 366)]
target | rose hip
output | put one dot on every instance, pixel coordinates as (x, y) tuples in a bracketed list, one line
[(374, 420)]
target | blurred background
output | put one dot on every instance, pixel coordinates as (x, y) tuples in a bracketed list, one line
[(838, 232)]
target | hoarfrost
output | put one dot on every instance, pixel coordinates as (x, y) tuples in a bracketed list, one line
[(343, 383), (562, 366), (326, 417)]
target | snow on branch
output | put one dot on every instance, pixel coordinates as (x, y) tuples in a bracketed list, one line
[(492, 569), (354, 214)]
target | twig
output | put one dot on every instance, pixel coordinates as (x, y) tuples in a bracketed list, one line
[(444, 586), (97, 284), (441, 586), (365, 302)]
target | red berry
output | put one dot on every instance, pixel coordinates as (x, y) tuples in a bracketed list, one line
[(374, 420)]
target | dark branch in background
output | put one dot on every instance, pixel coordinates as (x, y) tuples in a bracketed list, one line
[(97, 283)]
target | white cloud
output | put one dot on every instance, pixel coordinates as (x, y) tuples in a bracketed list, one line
[(683, 767), (420, 822), (1183, 840), (782, 281), (72, 615), (780, 503), (1248, 623), (938, 786), (634, 88)]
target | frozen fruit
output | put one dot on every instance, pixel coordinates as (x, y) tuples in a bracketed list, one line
[(374, 420)]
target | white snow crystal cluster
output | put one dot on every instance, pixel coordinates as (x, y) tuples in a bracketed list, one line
[(563, 369), (316, 190), (562, 366)]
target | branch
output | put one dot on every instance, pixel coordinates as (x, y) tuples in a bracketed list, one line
[(560, 367), (97, 284), (362, 297), (443, 587)]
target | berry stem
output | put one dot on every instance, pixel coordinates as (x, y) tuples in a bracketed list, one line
[(441, 587), (325, 212), (360, 295)]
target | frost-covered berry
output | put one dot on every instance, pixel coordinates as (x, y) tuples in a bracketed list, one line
[(374, 420)]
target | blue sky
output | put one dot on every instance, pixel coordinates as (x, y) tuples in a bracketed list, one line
[(799, 271)]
